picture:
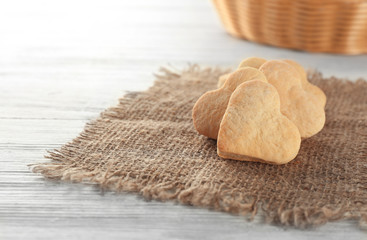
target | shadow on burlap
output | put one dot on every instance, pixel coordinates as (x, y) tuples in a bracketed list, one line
[(147, 144)]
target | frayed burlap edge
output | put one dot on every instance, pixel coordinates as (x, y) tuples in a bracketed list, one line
[(201, 196)]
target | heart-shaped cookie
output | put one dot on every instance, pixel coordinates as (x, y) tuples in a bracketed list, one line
[(254, 129), (254, 62), (210, 107), (319, 94), (222, 79), (302, 107)]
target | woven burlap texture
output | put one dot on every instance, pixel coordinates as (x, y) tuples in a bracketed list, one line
[(147, 144)]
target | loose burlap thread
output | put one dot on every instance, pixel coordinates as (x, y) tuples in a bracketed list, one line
[(147, 144)]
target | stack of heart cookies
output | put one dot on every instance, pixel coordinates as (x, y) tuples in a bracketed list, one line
[(261, 111)]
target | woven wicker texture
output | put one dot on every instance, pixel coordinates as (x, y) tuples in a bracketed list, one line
[(147, 144), (335, 26)]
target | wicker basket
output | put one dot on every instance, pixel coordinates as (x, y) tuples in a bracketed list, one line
[(335, 26)]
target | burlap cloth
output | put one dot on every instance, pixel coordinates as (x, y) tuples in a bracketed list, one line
[(147, 144)]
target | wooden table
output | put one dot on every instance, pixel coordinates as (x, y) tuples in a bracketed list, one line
[(63, 62)]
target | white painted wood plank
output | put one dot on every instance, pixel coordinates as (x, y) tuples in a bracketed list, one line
[(43, 208)]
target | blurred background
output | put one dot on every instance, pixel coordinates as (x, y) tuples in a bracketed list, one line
[(125, 35), (78, 44)]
